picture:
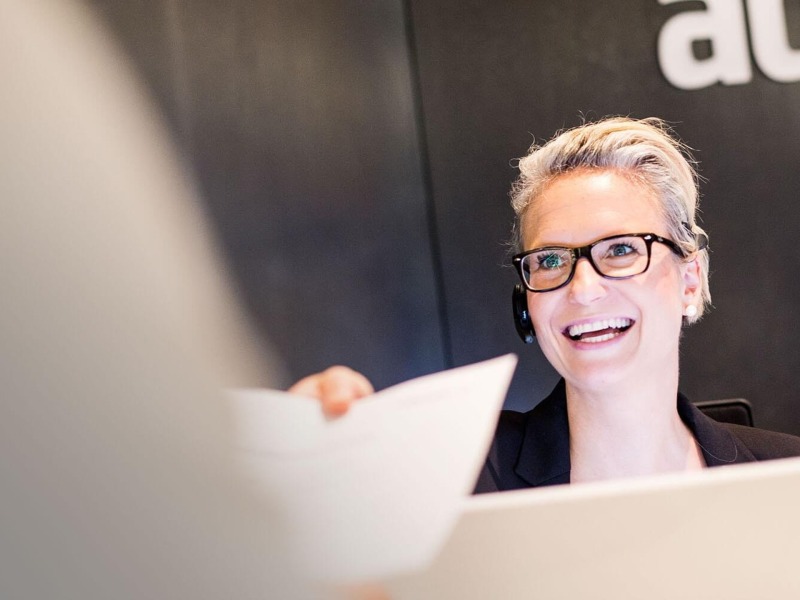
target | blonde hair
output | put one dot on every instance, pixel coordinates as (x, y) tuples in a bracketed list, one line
[(645, 150)]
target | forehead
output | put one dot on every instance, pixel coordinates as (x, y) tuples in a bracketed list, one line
[(582, 206)]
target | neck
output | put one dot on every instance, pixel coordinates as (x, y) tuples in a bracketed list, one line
[(628, 430)]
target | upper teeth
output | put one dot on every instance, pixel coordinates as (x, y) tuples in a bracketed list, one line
[(576, 330)]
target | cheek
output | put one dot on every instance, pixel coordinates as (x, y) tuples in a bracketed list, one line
[(668, 284), (542, 308), (536, 307), (660, 296)]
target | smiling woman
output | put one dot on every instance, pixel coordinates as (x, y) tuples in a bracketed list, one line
[(621, 194)]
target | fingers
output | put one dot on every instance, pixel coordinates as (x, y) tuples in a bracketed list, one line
[(307, 386), (337, 388)]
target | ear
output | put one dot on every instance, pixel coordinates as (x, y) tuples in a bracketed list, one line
[(692, 277)]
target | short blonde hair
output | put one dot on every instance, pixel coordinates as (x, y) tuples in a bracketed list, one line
[(645, 150)]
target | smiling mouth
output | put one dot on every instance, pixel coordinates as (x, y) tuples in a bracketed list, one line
[(598, 331)]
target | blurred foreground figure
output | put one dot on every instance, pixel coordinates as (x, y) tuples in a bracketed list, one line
[(117, 331)]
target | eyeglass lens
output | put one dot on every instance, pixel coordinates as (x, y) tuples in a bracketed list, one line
[(617, 257)]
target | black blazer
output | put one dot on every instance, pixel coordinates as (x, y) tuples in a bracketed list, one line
[(532, 449)]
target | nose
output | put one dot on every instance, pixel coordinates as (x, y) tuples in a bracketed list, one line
[(587, 285)]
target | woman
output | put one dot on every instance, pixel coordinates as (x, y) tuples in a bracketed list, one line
[(613, 265)]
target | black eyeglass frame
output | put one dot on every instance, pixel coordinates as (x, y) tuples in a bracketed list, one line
[(586, 252)]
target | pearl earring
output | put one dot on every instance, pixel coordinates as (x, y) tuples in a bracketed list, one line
[(690, 311)]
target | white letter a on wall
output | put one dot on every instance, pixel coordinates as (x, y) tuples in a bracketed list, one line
[(723, 24), (771, 47)]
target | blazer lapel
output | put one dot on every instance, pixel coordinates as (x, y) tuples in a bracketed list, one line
[(717, 443), (544, 453)]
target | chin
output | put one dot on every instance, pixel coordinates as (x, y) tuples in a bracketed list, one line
[(598, 377)]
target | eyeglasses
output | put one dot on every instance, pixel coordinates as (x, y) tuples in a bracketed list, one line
[(616, 257)]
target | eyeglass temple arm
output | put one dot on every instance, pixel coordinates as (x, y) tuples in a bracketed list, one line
[(700, 239)]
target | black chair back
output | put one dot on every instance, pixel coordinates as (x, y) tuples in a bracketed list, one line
[(731, 410)]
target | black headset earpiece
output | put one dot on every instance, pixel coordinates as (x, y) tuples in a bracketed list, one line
[(522, 318)]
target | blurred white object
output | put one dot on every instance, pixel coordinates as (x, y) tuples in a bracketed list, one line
[(117, 329), (377, 491), (729, 532)]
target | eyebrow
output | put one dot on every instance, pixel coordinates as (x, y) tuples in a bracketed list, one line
[(580, 245)]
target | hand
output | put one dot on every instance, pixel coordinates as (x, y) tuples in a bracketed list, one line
[(336, 388)]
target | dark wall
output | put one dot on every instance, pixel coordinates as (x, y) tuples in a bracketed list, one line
[(299, 120), (494, 75), (357, 156)]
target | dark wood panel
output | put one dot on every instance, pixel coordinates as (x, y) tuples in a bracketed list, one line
[(494, 75), (298, 118)]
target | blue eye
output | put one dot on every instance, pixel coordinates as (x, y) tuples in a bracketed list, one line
[(621, 249), (551, 261)]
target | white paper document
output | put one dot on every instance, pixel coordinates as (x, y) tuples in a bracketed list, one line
[(376, 492)]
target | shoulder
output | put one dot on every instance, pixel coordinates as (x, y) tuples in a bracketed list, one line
[(510, 429), (503, 453), (764, 444), (546, 423), (726, 443), (529, 449)]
